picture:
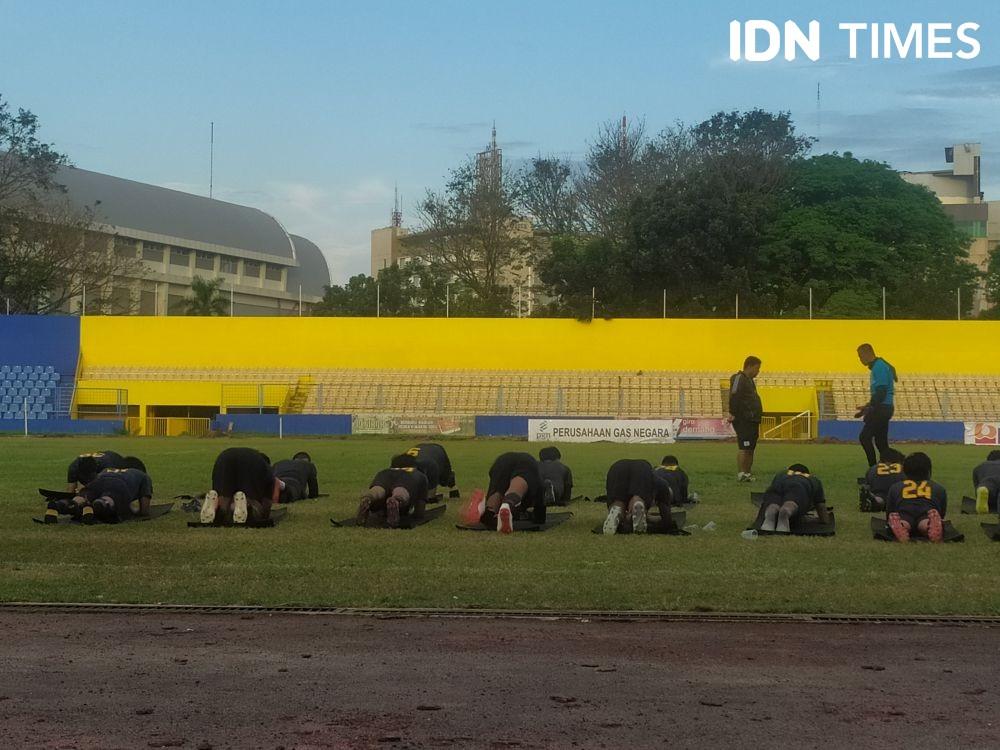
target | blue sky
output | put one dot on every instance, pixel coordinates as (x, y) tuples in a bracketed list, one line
[(320, 107)]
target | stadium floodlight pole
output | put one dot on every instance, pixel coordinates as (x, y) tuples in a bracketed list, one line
[(300, 300), (26, 416), (378, 300), (593, 302), (737, 305), (519, 287), (810, 303), (664, 304), (232, 300), (960, 303), (883, 303), (83, 309), (447, 300)]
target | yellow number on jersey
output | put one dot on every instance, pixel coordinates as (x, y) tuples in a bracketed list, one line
[(797, 473), (884, 470), (913, 491), (413, 452)]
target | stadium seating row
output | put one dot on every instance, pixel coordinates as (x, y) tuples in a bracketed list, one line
[(31, 387)]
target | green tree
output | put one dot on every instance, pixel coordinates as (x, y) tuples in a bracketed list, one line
[(547, 195), (49, 249), (992, 285), (206, 298)]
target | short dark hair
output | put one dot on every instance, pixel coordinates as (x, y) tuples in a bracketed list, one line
[(751, 361), (670, 461), (892, 456), (917, 466), (131, 462), (403, 461), (867, 348), (302, 456), (994, 456), (266, 457), (86, 469), (802, 468), (550, 453)]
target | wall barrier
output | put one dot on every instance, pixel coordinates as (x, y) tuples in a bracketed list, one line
[(938, 432), (286, 424), (64, 426), (41, 340)]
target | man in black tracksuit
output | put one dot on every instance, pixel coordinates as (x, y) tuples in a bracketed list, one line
[(745, 412), (557, 479), (300, 478), (243, 488), (515, 490), (792, 493), (392, 494), (85, 467), (632, 488), (676, 478)]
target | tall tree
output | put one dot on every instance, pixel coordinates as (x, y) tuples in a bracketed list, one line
[(206, 298), (51, 250), (546, 194), (472, 233)]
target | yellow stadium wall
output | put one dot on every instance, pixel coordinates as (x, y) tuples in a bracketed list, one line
[(914, 347)]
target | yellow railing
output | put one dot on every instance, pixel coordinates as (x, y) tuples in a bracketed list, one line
[(784, 427), (168, 426)]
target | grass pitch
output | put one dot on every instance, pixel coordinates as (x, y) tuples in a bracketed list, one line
[(305, 561)]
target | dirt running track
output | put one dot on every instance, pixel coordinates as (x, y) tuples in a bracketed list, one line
[(243, 681)]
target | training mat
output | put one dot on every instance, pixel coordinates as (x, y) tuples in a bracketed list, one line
[(686, 505), (551, 520), (992, 530), (969, 507), (406, 522), (56, 494), (807, 525), (155, 511), (655, 526), (276, 517), (882, 532)]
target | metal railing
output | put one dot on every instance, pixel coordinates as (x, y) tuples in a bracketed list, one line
[(168, 426), (788, 427)]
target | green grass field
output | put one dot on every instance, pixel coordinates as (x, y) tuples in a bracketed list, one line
[(305, 561)]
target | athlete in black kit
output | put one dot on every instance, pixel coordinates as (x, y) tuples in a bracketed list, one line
[(432, 460), (86, 466), (393, 494), (793, 493), (299, 476), (632, 489), (515, 491), (243, 487), (108, 498)]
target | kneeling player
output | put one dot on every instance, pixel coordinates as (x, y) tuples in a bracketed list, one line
[(85, 467), (557, 479), (243, 486), (880, 479), (432, 460), (515, 490), (677, 481), (110, 496), (632, 488), (792, 494), (299, 477), (394, 493), (986, 480), (917, 505)]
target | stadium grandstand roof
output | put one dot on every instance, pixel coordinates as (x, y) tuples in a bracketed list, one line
[(172, 217), (312, 272)]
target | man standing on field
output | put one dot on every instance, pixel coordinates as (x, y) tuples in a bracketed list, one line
[(745, 412), (880, 407)]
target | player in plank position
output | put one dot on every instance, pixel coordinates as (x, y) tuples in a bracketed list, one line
[(917, 505), (431, 459), (557, 479), (677, 480), (112, 496), (986, 480), (792, 494), (392, 494), (879, 480), (85, 467), (515, 490), (632, 488), (243, 487), (299, 477)]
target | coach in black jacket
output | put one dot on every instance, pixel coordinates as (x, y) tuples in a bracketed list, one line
[(745, 412)]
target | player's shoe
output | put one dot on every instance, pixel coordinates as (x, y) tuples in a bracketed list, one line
[(613, 521), (982, 499), (935, 526), (505, 519), (209, 506), (741, 476), (639, 518), (87, 515), (899, 529), (392, 512), (782, 526), (550, 493), (51, 514), (240, 508), (694, 497)]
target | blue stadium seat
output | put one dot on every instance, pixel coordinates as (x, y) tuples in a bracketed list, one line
[(55, 377), (5, 400), (29, 400), (33, 377), (49, 408), (42, 415), (49, 369), (4, 369), (16, 369), (36, 392), (45, 392)]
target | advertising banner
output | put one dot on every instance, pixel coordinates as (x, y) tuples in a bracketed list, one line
[(982, 433), (603, 430), (385, 424)]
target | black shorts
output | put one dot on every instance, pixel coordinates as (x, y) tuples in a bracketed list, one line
[(746, 434), (414, 482), (293, 490), (630, 478), (113, 486), (243, 470), (511, 465)]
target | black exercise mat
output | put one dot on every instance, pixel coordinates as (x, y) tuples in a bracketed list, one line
[(992, 530), (155, 511), (882, 532), (969, 507), (56, 494), (867, 501), (807, 525), (686, 505), (406, 522), (551, 520), (655, 526), (277, 515)]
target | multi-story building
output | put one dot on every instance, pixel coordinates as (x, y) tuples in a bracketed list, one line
[(178, 236)]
